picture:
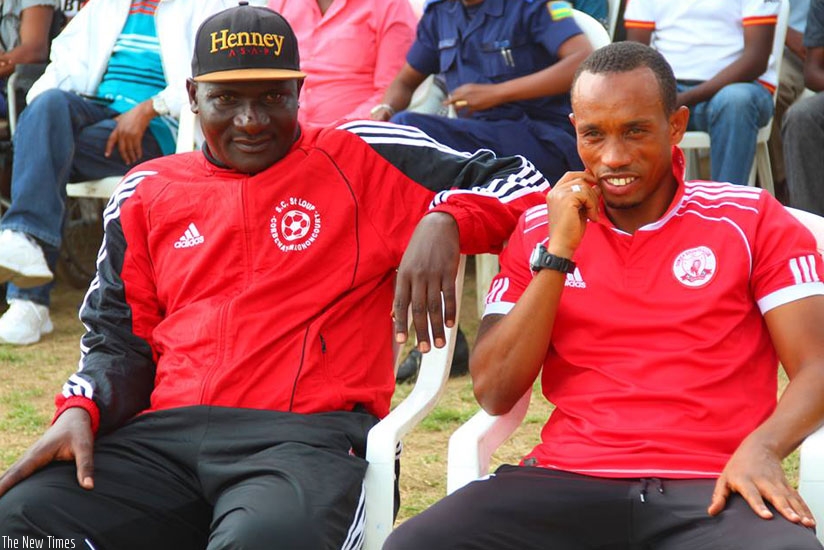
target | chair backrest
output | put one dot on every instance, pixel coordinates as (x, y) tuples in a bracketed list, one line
[(613, 7), (383, 439), (17, 85), (186, 131), (777, 51), (811, 468), (594, 31), (814, 223)]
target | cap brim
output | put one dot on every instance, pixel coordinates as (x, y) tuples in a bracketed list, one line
[(250, 74)]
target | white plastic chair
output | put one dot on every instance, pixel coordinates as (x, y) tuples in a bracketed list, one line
[(811, 471), (472, 445), (594, 30), (694, 140), (383, 439), (613, 7), (104, 187), (486, 265)]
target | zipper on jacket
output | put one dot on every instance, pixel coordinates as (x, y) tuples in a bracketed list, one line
[(206, 396)]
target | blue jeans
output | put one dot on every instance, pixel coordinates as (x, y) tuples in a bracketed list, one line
[(60, 137), (732, 117)]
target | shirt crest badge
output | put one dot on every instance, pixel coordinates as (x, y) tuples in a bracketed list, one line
[(695, 267), (295, 224)]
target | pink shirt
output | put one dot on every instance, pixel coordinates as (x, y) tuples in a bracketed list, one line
[(350, 54)]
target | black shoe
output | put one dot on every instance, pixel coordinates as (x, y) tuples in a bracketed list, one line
[(408, 369), (460, 358)]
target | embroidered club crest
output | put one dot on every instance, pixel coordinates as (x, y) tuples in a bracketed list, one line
[(295, 225), (695, 267)]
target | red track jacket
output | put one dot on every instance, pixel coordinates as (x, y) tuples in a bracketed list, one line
[(274, 291)]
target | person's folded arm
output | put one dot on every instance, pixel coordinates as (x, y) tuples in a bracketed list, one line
[(552, 80)]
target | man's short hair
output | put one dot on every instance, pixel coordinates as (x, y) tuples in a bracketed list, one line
[(622, 57)]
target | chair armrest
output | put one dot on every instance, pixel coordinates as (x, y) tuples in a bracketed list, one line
[(811, 476), (20, 80), (186, 131), (382, 442), (472, 445)]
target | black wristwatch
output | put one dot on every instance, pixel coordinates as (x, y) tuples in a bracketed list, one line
[(541, 259)]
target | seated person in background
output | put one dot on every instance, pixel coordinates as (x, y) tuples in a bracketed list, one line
[(720, 53), (24, 36), (661, 360), (351, 50), (790, 88), (116, 71), (231, 378), (508, 66), (803, 127), (71, 7)]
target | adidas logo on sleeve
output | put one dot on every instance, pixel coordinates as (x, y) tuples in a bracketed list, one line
[(575, 280), (191, 237)]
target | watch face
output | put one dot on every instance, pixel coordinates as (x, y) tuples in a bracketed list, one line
[(535, 257)]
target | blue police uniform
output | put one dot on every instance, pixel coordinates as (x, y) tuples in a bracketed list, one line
[(492, 42)]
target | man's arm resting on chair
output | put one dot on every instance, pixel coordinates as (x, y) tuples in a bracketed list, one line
[(754, 470)]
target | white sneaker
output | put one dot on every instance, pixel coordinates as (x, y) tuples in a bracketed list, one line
[(22, 261), (24, 323)]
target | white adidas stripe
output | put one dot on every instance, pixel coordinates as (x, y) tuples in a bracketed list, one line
[(499, 287), (803, 269), (354, 538)]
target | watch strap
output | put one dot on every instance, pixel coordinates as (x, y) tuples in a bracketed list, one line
[(544, 260)]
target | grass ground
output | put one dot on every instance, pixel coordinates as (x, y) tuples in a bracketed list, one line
[(31, 376)]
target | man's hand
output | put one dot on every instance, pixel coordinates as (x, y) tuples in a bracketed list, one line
[(754, 471), (474, 97), (69, 438), (427, 271), (128, 134), (571, 202)]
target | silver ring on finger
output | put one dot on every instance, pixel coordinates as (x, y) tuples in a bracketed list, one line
[(575, 188)]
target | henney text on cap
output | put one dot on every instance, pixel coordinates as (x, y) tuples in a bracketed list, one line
[(224, 40)]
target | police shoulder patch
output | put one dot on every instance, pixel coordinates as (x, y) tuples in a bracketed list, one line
[(559, 10)]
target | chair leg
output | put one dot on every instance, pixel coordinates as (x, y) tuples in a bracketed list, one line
[(761, 167), (486, 267), (693, 171), (762, 161)]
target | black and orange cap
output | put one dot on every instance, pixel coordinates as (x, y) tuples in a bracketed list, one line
[(245, 43)]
